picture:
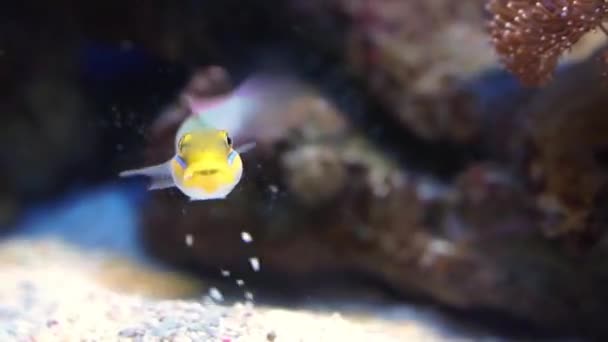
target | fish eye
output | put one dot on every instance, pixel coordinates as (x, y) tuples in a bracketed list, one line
[(183, 142), (228, 140)]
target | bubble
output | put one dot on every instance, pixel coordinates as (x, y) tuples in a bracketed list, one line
[(255, 264), (189, 240), (215, 294), (246, 237)]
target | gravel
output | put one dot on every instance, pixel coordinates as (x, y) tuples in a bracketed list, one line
[(53, 292)]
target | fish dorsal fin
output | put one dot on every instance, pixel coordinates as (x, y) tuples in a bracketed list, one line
[(260, 94), (245, 147)]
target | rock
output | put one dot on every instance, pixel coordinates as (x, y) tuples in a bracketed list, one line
[(566, 143), (343, 206), (407, 54), (411, 57), (42, 108)]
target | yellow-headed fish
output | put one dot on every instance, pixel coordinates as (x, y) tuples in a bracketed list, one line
[(206, 165)]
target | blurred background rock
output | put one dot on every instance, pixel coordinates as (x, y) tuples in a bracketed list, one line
[(416, 165)]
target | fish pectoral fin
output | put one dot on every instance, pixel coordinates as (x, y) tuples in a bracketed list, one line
[(246, 147), (159, 183), (160, 175), (150, 171)]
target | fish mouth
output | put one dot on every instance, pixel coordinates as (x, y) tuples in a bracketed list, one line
[(207, 172)]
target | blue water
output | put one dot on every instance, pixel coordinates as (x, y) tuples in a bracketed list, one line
[(497, 88), (104, 218), (106, 62)]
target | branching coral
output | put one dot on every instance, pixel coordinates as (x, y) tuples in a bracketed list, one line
[(530, 35)]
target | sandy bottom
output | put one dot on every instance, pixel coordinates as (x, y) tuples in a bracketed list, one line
[(50, 291)]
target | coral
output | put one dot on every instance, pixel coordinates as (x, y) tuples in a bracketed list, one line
[(530, 36)]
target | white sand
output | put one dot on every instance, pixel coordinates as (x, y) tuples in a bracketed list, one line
[(52, 292)]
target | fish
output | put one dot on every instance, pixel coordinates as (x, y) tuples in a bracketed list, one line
[(207, 163)]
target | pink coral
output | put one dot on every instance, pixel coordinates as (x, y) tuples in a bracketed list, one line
[(530, 36)]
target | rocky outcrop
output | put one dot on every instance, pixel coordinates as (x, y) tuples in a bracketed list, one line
[(322, 199)]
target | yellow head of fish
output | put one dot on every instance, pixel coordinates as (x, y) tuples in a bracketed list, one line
[(206, 164)]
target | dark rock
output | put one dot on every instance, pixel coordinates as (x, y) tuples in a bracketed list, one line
[(329, 202), (411, 56), (43, 108), (565, 139)]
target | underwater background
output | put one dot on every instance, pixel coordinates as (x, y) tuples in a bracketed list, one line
[(416, 189)]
